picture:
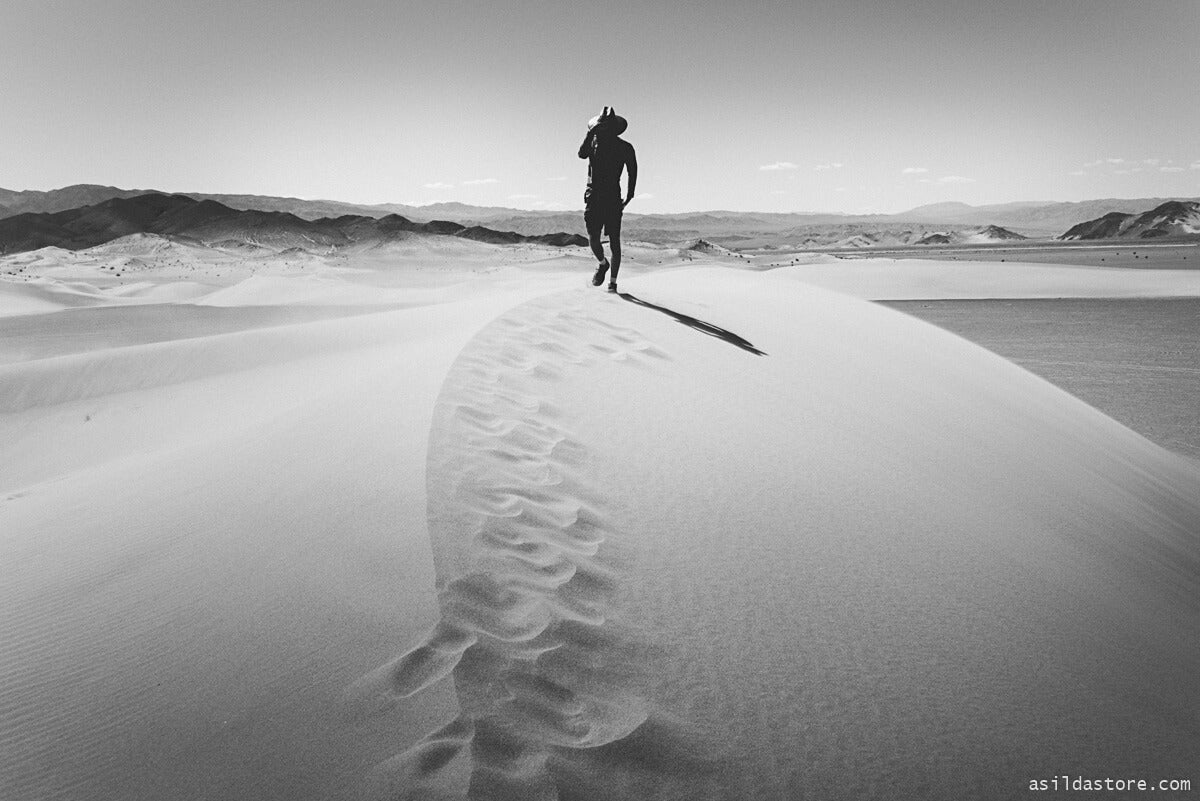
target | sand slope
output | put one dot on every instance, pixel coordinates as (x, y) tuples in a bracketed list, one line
[(874, 560), (213, 522)]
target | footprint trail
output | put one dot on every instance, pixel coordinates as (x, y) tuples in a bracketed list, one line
[(529, 562)]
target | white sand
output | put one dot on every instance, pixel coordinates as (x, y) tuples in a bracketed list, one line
[(209, 535), (469, 527)]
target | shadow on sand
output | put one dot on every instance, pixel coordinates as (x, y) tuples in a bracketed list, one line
[(699, 325)]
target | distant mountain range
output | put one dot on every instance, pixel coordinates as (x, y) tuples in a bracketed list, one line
[(71, 197), (211, 222), (1032, 218), (1173, 218), (940, 223)]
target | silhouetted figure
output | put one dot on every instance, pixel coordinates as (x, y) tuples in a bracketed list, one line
[(608, 155)]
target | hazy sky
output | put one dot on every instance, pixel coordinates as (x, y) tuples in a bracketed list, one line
[(771, 106)]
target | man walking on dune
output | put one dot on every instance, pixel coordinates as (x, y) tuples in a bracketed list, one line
[(608, 155)]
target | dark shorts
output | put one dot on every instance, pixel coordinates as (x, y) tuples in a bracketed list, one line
[(602, 214)]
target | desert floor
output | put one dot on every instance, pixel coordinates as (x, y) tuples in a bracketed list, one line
[(1141, 255), (1134, 359)]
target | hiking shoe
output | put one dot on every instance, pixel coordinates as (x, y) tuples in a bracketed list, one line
[(598, 278), (612, 286)]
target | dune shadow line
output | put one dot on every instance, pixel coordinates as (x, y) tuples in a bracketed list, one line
[(699, 325)]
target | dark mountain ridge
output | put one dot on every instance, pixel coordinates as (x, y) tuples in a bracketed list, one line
[(209, 221), (1105, 227), (1172, 218), (78, 195)]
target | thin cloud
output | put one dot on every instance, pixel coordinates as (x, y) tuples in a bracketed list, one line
[(521, 196), (834, 165), (1195, 165), (1172, 169), (1151, 162), (480, 181), (914, 170), (1095, 163), (779, 165), (955, 179), (439, 185), (1078, 172), (1115, 161)]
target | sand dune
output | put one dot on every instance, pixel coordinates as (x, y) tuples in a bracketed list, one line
[(187, 601), (875, 557), (729, 536)]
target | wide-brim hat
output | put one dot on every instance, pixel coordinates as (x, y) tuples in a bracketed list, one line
[(613, 122)]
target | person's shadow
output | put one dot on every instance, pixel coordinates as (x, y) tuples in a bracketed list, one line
[(699, 325)]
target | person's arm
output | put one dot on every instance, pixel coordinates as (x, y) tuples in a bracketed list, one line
[(585, 150), (631, 165)]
